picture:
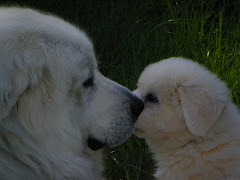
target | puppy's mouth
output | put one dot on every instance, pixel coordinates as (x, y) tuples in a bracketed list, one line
[(95, 144), (138, 132)]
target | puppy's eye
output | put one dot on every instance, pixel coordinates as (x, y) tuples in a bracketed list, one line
[(151, 98), (88, 82)]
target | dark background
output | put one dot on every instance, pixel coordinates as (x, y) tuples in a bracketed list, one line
[(130, 34)]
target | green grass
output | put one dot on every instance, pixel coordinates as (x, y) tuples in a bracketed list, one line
[(129, 35)]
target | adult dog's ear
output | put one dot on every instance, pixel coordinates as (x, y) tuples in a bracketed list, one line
[(19, 70), (201, 107)]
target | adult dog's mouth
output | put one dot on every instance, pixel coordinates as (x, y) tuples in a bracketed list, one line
[(111, 141), (95, 144)]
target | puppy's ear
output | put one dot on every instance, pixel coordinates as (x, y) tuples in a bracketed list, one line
[(201, 107), (19, 71)]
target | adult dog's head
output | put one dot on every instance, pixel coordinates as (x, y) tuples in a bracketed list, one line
[(182, 101), (50, 87)]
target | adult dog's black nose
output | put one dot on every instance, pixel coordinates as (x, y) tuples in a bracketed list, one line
[(136, 107)]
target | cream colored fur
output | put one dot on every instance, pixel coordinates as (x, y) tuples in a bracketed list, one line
[(193, 128), (53, 100)]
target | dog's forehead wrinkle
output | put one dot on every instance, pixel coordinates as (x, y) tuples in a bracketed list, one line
[(82, 72), (32, 37)]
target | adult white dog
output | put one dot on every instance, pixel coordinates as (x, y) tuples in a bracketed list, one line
[(189, 122), (55, 107)]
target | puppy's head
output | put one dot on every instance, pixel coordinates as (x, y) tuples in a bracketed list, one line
[(179, 96)]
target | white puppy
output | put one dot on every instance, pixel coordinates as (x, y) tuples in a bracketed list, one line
[(189, 122), (55, 107)]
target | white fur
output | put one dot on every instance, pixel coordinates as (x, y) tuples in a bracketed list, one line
[(46, 113), (193, 129)]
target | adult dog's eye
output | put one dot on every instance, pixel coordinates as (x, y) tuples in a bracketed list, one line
[(88, 82), (152, 98)]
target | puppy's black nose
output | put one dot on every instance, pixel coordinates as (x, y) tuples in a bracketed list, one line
[(136, 107)]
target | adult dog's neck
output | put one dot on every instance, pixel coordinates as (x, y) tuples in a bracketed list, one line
[(33, 160)]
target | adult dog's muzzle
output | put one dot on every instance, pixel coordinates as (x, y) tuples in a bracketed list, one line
[(136, 106)]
